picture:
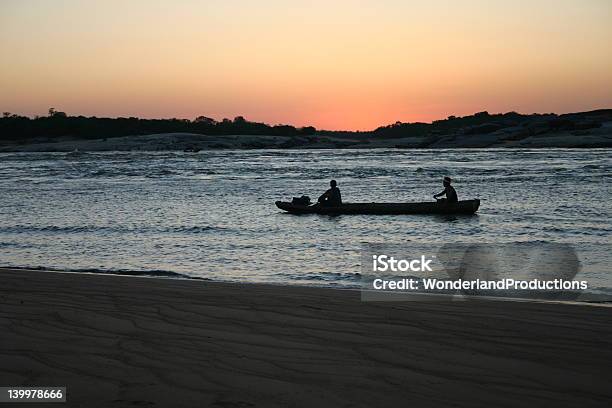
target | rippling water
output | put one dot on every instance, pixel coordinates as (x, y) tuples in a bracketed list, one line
[(212, 214)]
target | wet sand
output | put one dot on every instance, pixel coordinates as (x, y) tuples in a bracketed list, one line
[(123, 341)]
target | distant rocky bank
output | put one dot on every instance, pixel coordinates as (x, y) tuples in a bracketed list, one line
[(577, 130)]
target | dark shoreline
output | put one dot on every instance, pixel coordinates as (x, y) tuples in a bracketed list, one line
[(591, 299), (59, 132)]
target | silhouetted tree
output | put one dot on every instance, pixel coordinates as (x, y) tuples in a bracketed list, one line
[(56, 113), (308, 130), (205, 120)]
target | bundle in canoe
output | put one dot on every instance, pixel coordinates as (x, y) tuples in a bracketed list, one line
[(461, 207)]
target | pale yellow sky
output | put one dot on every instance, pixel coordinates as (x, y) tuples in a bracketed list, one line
[(333, 64)]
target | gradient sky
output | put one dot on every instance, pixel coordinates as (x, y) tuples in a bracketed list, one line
[(332, 64)]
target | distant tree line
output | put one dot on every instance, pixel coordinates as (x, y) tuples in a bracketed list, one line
[(57, 124), (449, 125)]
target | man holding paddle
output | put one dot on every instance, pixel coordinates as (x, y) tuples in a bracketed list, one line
[(449, 191)]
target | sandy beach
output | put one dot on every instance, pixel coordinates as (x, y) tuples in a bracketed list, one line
[(126, 341)]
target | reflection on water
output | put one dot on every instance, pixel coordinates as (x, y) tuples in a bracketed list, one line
[(212, 214)]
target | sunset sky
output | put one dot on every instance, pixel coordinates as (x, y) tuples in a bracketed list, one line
[(331, 64)]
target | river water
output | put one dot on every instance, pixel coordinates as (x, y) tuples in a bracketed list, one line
[(212, 214)]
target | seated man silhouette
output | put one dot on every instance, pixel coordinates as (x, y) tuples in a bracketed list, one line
[(449, 191), (332, 197)]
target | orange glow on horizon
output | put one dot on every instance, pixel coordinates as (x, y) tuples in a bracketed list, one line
[(340, 66)]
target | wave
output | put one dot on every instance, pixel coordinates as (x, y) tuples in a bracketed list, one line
[(22, 229), (14, 245), (196, 230), (594, 166), (324, 276), (126, 272), (151, 273), (75, 154)]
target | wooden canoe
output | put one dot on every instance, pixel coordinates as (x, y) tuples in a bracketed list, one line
[(461, 207)]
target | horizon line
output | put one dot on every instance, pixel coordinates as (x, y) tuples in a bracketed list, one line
[(34, 117)]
